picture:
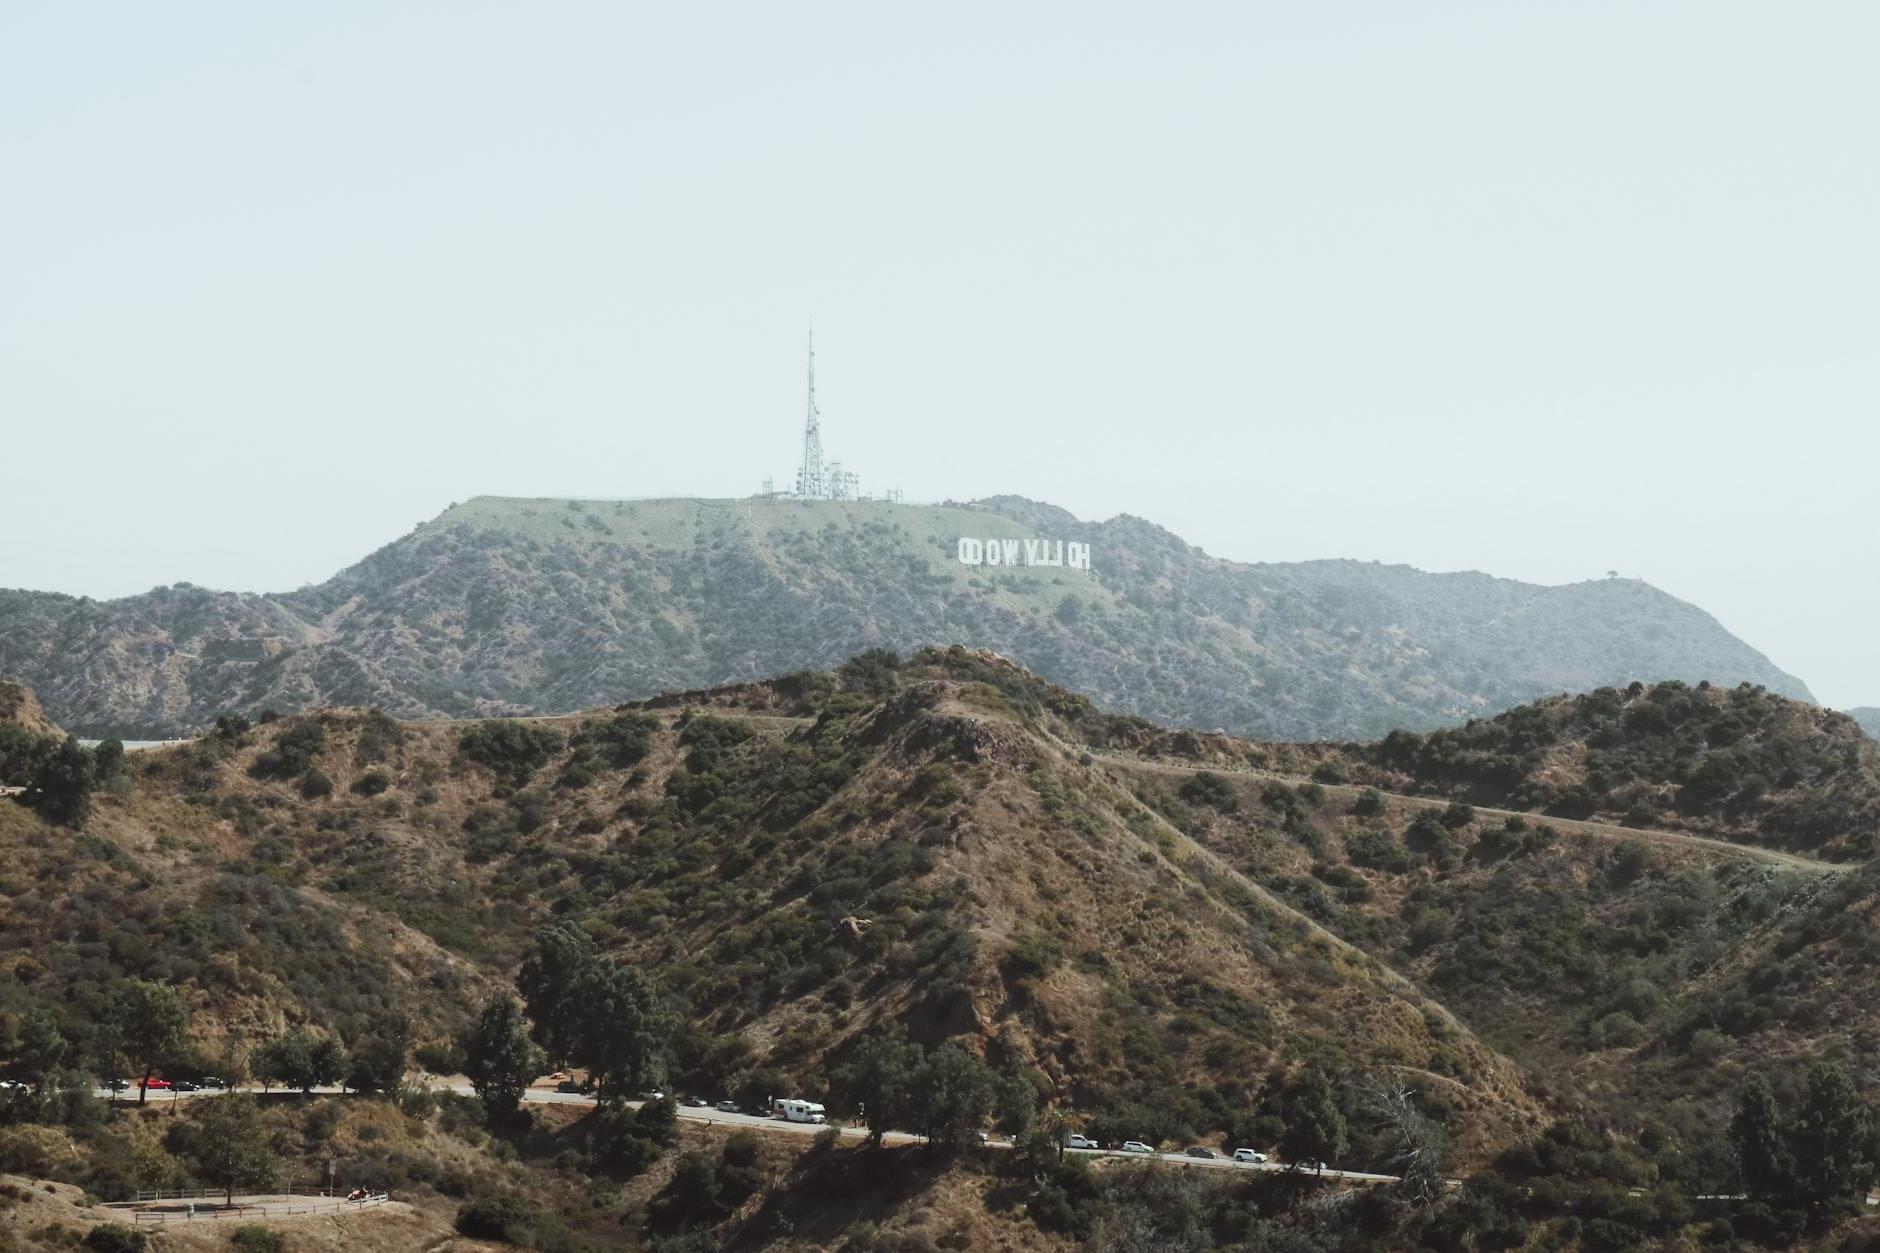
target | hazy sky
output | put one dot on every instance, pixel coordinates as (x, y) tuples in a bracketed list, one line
[(1541, 289)]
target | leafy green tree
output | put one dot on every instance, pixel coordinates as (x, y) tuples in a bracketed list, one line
[(1757, 1140), (551, 983), (954, 1096), (301, 1060), (380, 1057), (150, 1019), (230, 1143), (624, 1028), (1315, 1125), (1832, 1138), (61, 787), (39, 1049), (107, 760), (880, 1083), (499, 1058)]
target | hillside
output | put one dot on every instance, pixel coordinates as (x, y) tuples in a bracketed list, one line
[(20, 710), (323, 868), (506, 606), (1869, 719), (1158, 934), (1740, 762)]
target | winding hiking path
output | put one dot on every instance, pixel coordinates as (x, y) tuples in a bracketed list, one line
[(1598, 830)]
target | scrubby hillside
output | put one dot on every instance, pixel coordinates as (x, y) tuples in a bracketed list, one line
[(20, 710), (1739, 762), (506, 606), (798, 861), (1176, 936)]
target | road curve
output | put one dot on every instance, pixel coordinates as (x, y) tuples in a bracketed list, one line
[(759, 1122)]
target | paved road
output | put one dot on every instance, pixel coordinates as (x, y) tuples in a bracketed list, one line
[(727, 1118)]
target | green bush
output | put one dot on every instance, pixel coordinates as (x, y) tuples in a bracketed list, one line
[(115, 1238), (254, 1238), (514, 750), (501, 1217)]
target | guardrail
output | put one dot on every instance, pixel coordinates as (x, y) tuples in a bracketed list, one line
[(180, 1206)]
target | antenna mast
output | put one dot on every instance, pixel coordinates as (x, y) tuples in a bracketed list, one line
[(809, 476)]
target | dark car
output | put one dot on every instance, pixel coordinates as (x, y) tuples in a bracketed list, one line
[(1198, 1151), (213, 1081), (696, 1102), (117, 1085), (187, 1085), (571, 1085)]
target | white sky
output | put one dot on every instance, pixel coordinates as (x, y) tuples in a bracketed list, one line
[(1541, 289)]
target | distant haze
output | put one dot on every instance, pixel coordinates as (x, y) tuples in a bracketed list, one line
[(1541, 290)]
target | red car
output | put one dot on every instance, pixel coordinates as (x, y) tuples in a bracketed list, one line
[(151, 1085)]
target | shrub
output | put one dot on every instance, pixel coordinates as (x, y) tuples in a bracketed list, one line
[(1370, 803), (499, 1217), (254, 1238), (293, 751), (116, 1238), (371, 783), (1211, 790), (315, 785), (514, 750)]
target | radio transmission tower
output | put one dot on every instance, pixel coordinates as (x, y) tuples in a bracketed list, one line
[(809, 476)]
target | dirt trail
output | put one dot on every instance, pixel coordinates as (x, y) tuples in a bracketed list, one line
[(1599, 830)]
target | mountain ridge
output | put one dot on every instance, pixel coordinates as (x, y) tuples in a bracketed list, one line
[(510, 605)]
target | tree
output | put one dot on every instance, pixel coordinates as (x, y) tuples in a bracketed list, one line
[(380, 1056), (500, 1059), (61, 787), (38, 1050), (300, 1060), (1756, 1138), (150, 1020), (622, 1037), (230, 1144), (1315, 1126), (881, 1080), (954, 1095), (1831, 1140), (1418, 1149), (551, 981)]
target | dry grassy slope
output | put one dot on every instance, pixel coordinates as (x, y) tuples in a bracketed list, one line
[(156, 887), (1740, 763), (950, 817), (1630, 977), (20, 709)]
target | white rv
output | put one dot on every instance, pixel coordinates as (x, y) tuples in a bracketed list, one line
[(798, 1111)]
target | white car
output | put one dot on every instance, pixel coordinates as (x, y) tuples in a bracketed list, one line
[(1075, 1141), (1136, 1146), (1248, 1155)]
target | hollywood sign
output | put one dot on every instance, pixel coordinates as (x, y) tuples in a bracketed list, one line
[(1024, 552)]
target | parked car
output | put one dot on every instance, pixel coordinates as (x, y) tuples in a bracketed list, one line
[(652, 1094), (216, 1082), (729, 1107), (980, 1137), (155, 1085), (1075, 1141), (1248, 1155), (117, 1085), (571, 1085), (187, 1085), (1136, 1146), (1312, 1163), (1198, 1151), (696, 1102)]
